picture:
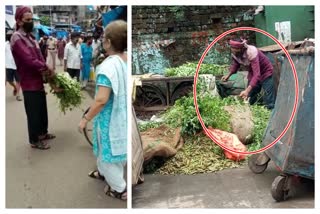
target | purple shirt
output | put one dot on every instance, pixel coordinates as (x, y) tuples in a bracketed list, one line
[(29, 61), (260, 68)]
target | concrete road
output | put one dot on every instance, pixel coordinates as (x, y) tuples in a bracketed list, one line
[(55, 178), (231, 188)]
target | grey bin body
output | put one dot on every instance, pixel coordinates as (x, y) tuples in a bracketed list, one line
[(294, 153)]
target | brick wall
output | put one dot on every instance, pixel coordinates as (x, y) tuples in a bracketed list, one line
[(168, 36)]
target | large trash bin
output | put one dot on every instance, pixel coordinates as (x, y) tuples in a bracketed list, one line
[(294, 154)]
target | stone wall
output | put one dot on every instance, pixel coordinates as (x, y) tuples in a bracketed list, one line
[(168, 36)]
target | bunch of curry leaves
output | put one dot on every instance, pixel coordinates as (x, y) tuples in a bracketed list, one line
[(70, 95)]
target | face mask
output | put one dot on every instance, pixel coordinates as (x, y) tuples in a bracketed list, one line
[(8, 38), (28, 27), (239, 54)]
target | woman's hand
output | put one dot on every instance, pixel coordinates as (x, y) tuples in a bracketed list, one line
[(82, 125)]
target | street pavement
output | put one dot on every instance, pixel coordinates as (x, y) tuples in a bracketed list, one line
[(54, 178), (231, 188)]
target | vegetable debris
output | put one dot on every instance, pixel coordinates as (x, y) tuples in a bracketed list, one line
[(199, 153), (189, 69)]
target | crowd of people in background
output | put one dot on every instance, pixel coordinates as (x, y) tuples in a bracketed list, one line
[(77, 54)]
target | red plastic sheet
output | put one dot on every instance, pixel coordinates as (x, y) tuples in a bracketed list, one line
[(230, 141)]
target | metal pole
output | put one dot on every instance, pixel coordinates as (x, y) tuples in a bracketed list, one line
[(50, 17)]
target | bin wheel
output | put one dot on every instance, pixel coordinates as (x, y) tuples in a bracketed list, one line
[(254, 166), (279, 191)]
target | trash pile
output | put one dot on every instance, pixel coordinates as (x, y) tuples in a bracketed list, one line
[(199, 154), (235, 123)]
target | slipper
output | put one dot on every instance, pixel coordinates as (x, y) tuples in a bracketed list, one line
[(40, 145), (47, 137), (96, 175), (114, 194), (18, 98)]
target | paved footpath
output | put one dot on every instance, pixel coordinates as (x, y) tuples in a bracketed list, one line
[(55, 178), (231, 188)]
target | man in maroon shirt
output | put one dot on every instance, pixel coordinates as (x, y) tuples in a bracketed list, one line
[(31, 68), (260, 72)]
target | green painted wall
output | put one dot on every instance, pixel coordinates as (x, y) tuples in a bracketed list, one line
[(301, 18)]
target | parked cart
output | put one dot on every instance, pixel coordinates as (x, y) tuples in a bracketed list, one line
[(158, 93)]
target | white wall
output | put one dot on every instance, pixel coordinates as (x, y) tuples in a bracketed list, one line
[(10, 18)]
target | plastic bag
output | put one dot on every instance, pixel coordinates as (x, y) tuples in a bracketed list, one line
[(92, 74), (231, 141)]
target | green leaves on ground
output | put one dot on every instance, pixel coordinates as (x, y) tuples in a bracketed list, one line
[(148, 125), (71, 96), (183, 114), (198, 155), (189, 69), (261, 117)]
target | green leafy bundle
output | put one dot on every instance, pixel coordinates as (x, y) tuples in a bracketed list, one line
[(70, 95), (189, 69), (183, 114)]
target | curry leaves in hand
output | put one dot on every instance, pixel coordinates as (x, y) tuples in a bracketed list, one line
[(70, 97)]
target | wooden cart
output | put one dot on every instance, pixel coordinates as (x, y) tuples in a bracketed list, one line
[(158, 93)]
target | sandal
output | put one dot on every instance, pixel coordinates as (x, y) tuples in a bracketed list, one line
[(96, 175), (47, 137), (40, 145), (18, 98), (112, 193)]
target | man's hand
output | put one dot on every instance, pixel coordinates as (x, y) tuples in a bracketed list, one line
[(55, 88), (51, 73), (50, 68), (225, 78), (244, 94)]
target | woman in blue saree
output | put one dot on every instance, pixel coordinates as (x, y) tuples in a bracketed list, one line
[(86, 50), (109, 112)]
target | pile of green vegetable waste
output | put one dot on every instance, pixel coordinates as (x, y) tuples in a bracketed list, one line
[(199, 153), (189, 69)]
